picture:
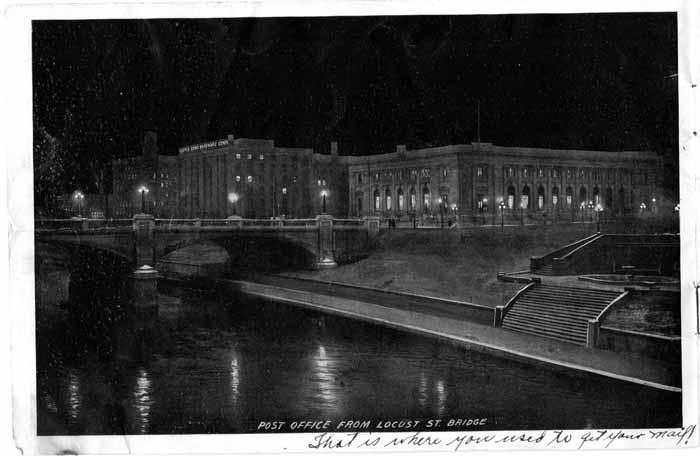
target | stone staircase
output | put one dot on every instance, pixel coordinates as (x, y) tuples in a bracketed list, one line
[(557, 312)]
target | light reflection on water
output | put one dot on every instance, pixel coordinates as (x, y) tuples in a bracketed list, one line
[(208, 368), (75, 399), (235, 379), (441, 397), (324, 378), (142, 401), (423, 390)]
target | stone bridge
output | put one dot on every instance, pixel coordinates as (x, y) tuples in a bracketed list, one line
[(144, 239)]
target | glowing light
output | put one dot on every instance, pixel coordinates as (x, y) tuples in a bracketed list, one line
[(233, 197), (143, 189)]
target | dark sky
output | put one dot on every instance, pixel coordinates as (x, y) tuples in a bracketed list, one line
[(591, 81)]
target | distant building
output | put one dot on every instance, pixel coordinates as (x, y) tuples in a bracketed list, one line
[(157, 173), (473, 179), (254, 178)]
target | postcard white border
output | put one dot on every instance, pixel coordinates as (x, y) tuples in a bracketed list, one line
[(17, 115)]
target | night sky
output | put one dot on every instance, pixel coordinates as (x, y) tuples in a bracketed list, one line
[(604, 81)]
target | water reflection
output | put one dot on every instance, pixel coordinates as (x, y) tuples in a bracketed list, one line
[(235, 379), (189, 379), (75, 399), (422, 390), (142, 401), (441, 400), (324, 378)]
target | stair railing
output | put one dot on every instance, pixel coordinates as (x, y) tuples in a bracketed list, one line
[(499, 312), (593, 328)]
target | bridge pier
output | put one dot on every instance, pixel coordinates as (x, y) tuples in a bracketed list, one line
[(144, 286), (144, 280), (325, 249)]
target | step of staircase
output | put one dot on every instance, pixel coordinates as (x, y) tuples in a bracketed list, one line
[(557, 312)]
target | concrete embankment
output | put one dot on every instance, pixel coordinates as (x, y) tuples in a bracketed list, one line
[(533, 350)]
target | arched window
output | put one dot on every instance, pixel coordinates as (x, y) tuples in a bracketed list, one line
[(412, 201), (377, 200), (525, 198), (540, 197), (402, 202), (387, 199), (359, 196), (555, 196), (609, 199), (582, 195), (569, 197), (426, 198), (511, 197), (596, 195)]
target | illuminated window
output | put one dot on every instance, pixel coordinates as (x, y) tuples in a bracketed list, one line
[(284, 190), (250, 156), (238, 178), (238, 156), (479, 171), (444, 172), (425, 172), (262, 157), (250, 178)]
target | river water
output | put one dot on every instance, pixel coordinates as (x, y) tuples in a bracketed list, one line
[(217, 363)]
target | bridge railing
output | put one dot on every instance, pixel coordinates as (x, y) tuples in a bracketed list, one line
[(78, 224), (350, 224)]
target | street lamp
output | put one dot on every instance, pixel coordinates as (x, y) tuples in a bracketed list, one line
[(79, 197), (598, 210), (653, 205), (582, 206), (233, 199), (484, 206), (502, 205), (143, 190), (642, 208), (324, 193), (442, 223), (590, 209)]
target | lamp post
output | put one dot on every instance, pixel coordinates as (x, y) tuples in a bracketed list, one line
[(323, 196), (143, 190), (653, 206), (590, 210), (522, 206), (502, 205), (582, 206), (598, 210), (442, 223), (233, 199), (79, 197), (642, 208), (483, 206)]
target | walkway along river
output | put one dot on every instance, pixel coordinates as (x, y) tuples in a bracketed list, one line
[(222, 363)]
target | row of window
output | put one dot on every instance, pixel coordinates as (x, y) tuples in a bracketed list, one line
[(401, 174), (403, 204), (582, 173), (250, 156)]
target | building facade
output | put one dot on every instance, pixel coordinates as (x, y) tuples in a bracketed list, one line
[(254, 178), (480, 178)]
